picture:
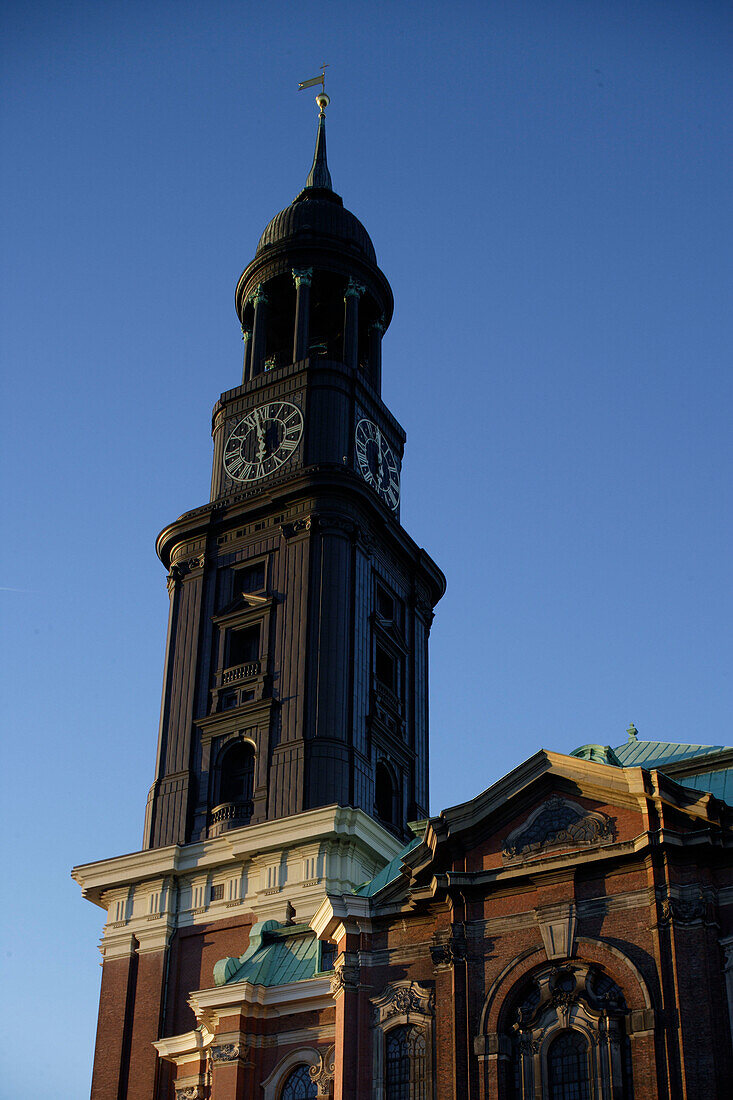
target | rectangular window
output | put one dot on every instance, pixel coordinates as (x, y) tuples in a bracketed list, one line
[(243, 645), (385, 667), (249, 579), (385, 604), (217, 892)]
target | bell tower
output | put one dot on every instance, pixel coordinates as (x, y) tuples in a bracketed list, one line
[(297, 654)]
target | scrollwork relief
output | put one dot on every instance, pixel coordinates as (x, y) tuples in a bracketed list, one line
[(558, 823)]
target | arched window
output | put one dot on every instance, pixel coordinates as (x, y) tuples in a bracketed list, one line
[(561, 1013), (397, 1064), (299, 1085), (237, 773), (384, 795), (567, 1067)]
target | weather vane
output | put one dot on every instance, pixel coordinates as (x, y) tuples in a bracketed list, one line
[(321, 99)]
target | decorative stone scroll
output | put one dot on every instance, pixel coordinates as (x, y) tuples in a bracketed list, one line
[(345, 977), (225, 1053), (324, 1073), (558, 823), (190, 1092), (450, 949), (406, 999)]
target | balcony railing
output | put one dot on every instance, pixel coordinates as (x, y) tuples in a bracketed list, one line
[(240, 672), (230, 815)]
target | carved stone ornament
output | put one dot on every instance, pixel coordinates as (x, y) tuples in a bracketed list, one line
[(302, 276), (295, 528), (190, 1092), (354, 289), (406, 999), (324, 1073), (227, 1052), (558, 823), (687, 910), (450, 950), (345, 980)]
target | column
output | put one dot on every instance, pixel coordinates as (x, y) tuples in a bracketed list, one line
[(259, 299), (302, 278), (351, 323), (727, 945), (345, 992), (247, 363), (376, 331)]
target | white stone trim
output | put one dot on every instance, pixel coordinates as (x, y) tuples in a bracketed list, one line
[(313, 993), (308, 1056)]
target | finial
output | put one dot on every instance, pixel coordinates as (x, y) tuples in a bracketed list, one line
[(319, 176), (633, 732), (321, 99)]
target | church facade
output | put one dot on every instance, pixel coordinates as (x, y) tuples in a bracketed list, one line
[(296, 925)]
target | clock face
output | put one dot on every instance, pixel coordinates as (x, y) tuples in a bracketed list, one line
[(262, 440), (376, 462)]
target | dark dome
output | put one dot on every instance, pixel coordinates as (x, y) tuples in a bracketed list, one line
[(312, 216)]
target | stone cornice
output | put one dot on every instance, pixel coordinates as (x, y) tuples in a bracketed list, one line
[(285, 1000), (243, 844)]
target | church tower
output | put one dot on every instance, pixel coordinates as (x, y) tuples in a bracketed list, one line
[(296, 666), (293, 742)]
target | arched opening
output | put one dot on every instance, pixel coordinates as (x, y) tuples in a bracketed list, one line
[(237, 773), (397, 1064), (299, 1085), (567, 1067), (566, 1026), (384, 794)]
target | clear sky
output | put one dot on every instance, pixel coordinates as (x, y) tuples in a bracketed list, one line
[(548, 189)]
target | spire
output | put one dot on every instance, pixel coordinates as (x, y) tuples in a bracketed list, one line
[(319, 176)]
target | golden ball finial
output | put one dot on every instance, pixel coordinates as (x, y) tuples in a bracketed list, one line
[(323, 101)]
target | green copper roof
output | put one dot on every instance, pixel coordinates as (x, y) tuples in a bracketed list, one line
[(719, 783), (387, 874), (601, 754), (655, 754), (277, 954)]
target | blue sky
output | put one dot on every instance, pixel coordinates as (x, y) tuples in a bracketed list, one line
[(548, 190)]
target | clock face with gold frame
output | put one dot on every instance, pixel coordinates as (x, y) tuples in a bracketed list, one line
[(263, 440), (376, 462)]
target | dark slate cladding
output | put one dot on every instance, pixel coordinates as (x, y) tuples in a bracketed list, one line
[(315, 217)]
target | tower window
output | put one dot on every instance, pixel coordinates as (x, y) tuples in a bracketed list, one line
[(237, 773), (249, 579), (243, 645), (385, 667), (384, 794), (385, 604)]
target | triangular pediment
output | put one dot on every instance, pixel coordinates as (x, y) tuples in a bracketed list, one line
[(240, 604)]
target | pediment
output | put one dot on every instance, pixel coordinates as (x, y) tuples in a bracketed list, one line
[(549, 804), (241, 604)]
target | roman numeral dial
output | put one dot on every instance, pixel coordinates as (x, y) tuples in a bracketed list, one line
[(376, 462), (263, 440)]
